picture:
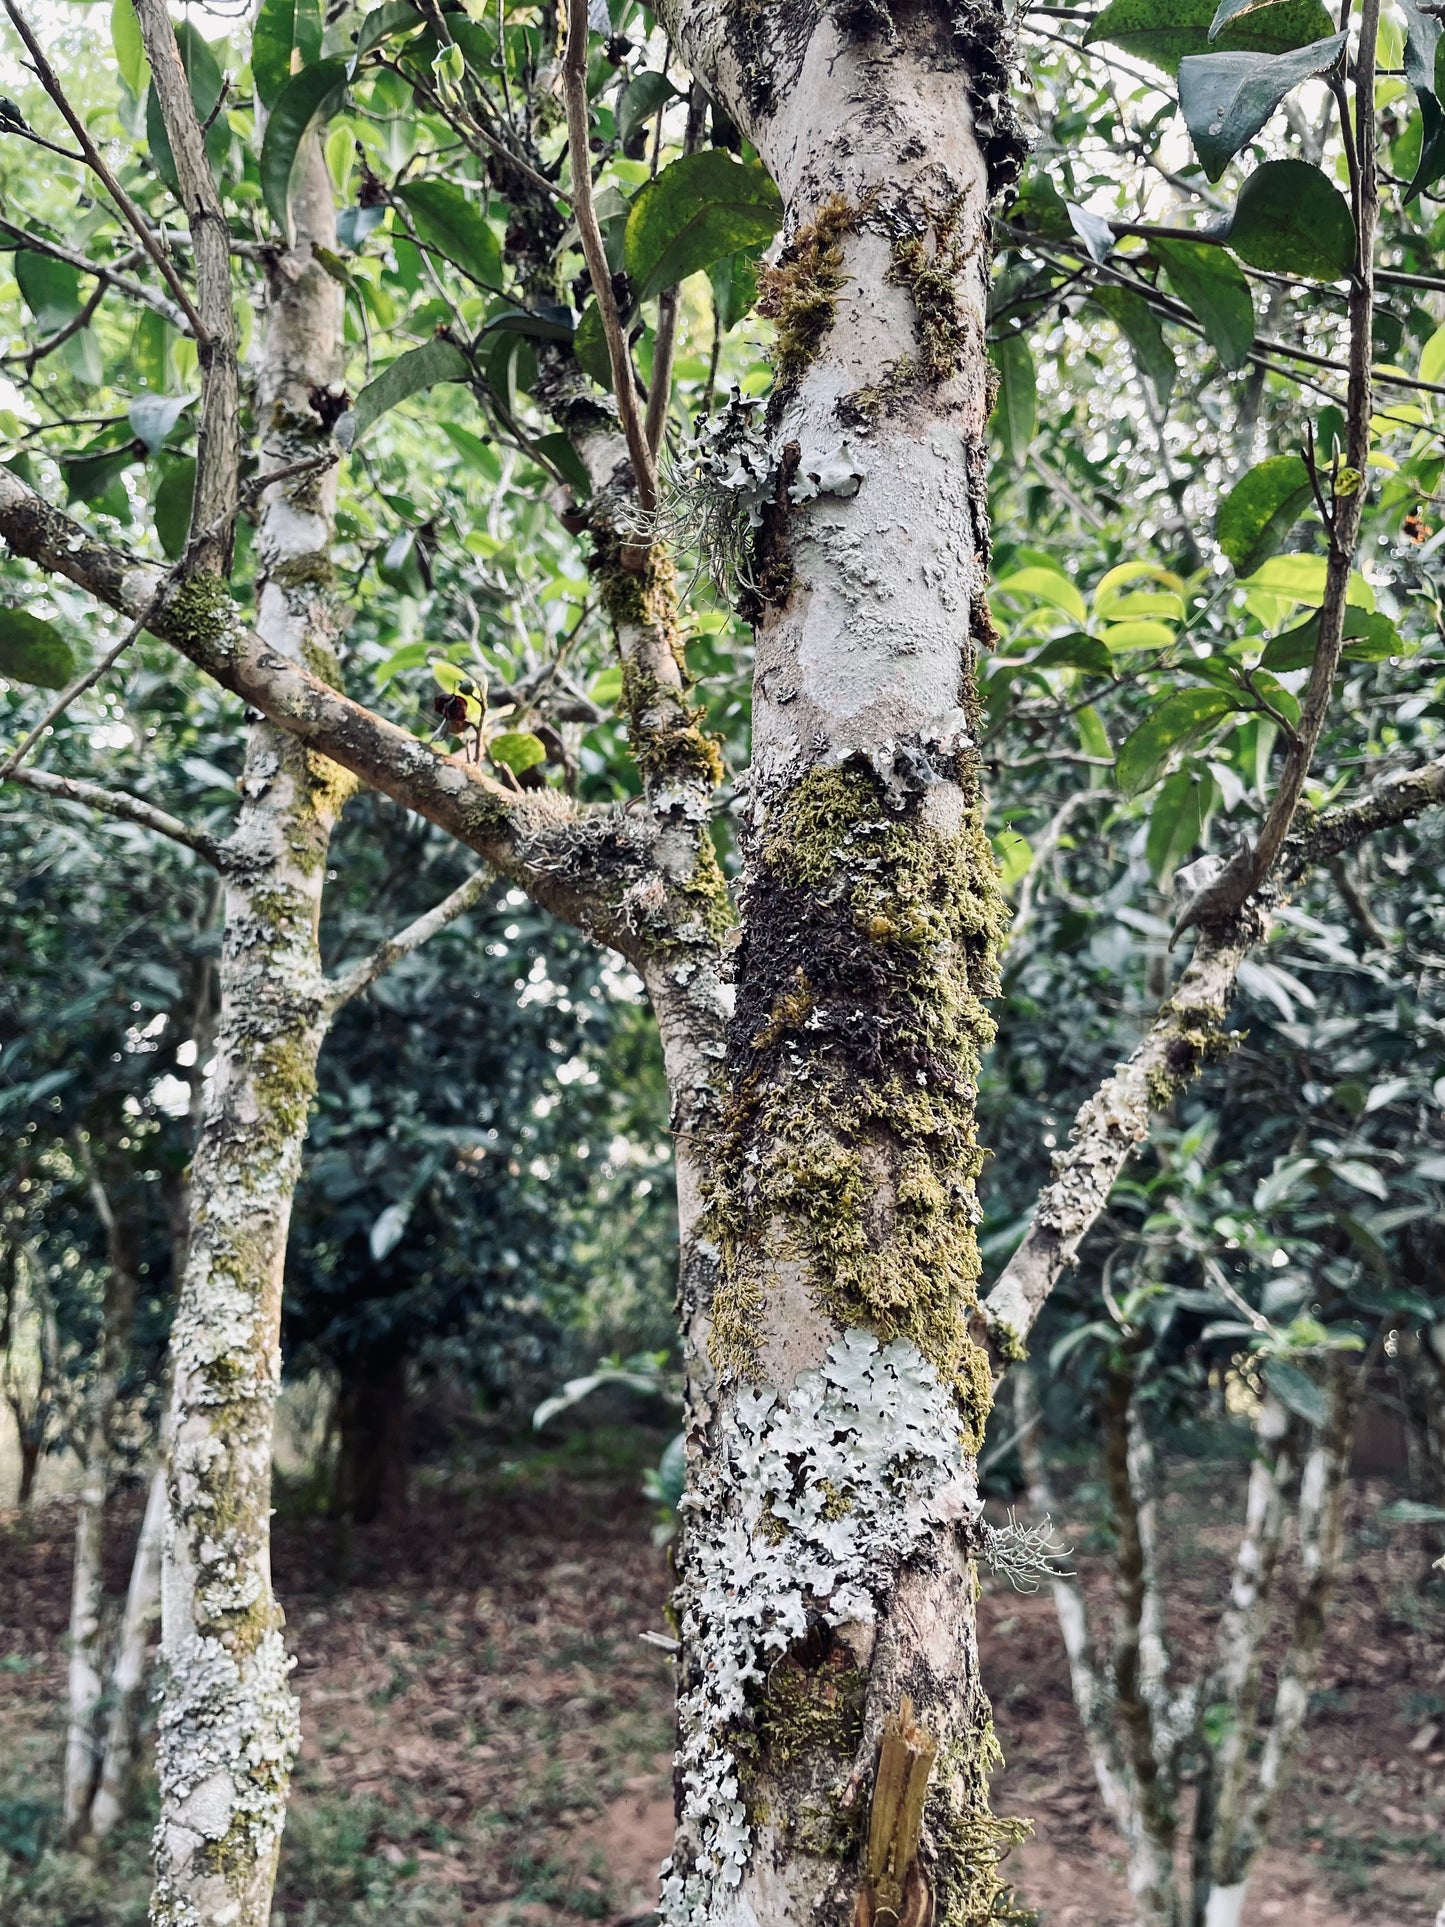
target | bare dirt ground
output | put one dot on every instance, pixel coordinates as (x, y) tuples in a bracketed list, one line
[(488, 1740)]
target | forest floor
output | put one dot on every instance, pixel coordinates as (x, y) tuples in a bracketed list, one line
[(488, 1739)]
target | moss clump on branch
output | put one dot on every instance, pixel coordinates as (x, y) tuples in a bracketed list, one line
[(1196, 1038), (969, 1839), (928, 265), (200, 612), (799, 293), (848, 1140)]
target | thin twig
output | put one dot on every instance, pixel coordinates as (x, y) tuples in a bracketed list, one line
[(78, 688), (574, 84), (96, 162), (352, 982), (119, 803)]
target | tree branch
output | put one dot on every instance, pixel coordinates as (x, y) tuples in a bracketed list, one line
[(96, 162), (132, 290), (360, 977), (594, 867), (78, 688), (214, 501), (118, 803), (574, 83)]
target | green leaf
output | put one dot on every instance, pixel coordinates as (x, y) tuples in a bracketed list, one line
[(1260, 510), (1180, 719), (517, 750), (446, 220), (171, 506), (1165, 31), (589, 344), (90, 476), (1227, 98), (312, 96), (130, 53), (1431, 164), (410, 374), (1038, 584), (1233, 10), (1139, 325), (1212, 286), (542, 324), (310, 31), (154, 416), (205, 77), (734, 287), (476, 453), (32, 651), (1370, 638), (606, 686), (565, 459), (699, 209), (1297, 1391), (1176, 821), (1290, 220), (397, 16), (641, 98), (1016, 407), (51, 289), (1076, 651), (272, 38), (1423, 35)]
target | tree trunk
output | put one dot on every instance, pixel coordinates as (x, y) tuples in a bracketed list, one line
[(128, 1675), (826, 1589), (86, 1676), (370, 1421), (228, 1727)]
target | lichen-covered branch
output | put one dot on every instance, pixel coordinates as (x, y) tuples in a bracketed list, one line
[(214, 500), (118, 803), (594, 868), (348, 984)]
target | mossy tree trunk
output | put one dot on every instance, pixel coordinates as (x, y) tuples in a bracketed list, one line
[(827, 1592), (228, 1725)]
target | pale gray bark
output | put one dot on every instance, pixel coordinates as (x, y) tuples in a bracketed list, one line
[(126, 1689)]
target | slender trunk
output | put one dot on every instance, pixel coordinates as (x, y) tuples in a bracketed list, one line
[(1092, 1697), (370, 1420), (826, 1587), (128, 1675), (29, 1463), (86, 1676), (228, 1725), (1232, 1695), (1323, 1481), (1138, 1661)]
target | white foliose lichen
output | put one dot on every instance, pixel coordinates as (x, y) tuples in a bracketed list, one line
[(808, 1511), (226, 1738)]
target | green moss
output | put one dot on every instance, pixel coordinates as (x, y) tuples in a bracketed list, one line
[(804, 1713), (969, 1839), (848, 1139), (799, 293), (305, 571), (1196, 1037), (200, 612), (1007, 1343)]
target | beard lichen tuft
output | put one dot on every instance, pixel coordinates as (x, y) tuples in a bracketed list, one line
[(848, 1139)]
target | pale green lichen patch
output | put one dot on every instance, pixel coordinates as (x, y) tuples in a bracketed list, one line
[(848, 1139)]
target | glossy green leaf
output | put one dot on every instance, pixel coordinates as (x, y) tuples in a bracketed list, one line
[(643, 95), (1076, 651), (1260, 510), (382, 24), (1227, 98), (51, 289), (1212, 286), (130, 53), (272, 38), (1369, 637), (565, 459), (1179, 720), (542, 324), (447, 220), (1431, 165), (589, 344), (353, 224), (1290, 220), (1176, 822), (517, 750), (1140, 327), (734, 288), (91, 476), (1297, 1391), (1038, 584), (1165, 31), (476, 453), (311, 97), (410, 374), (699, 209), (1233, 10), (1016, 406), (154, 416), (171, 505), (33, 651)]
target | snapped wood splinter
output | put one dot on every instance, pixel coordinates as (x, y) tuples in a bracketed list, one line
[(896, 1890)]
